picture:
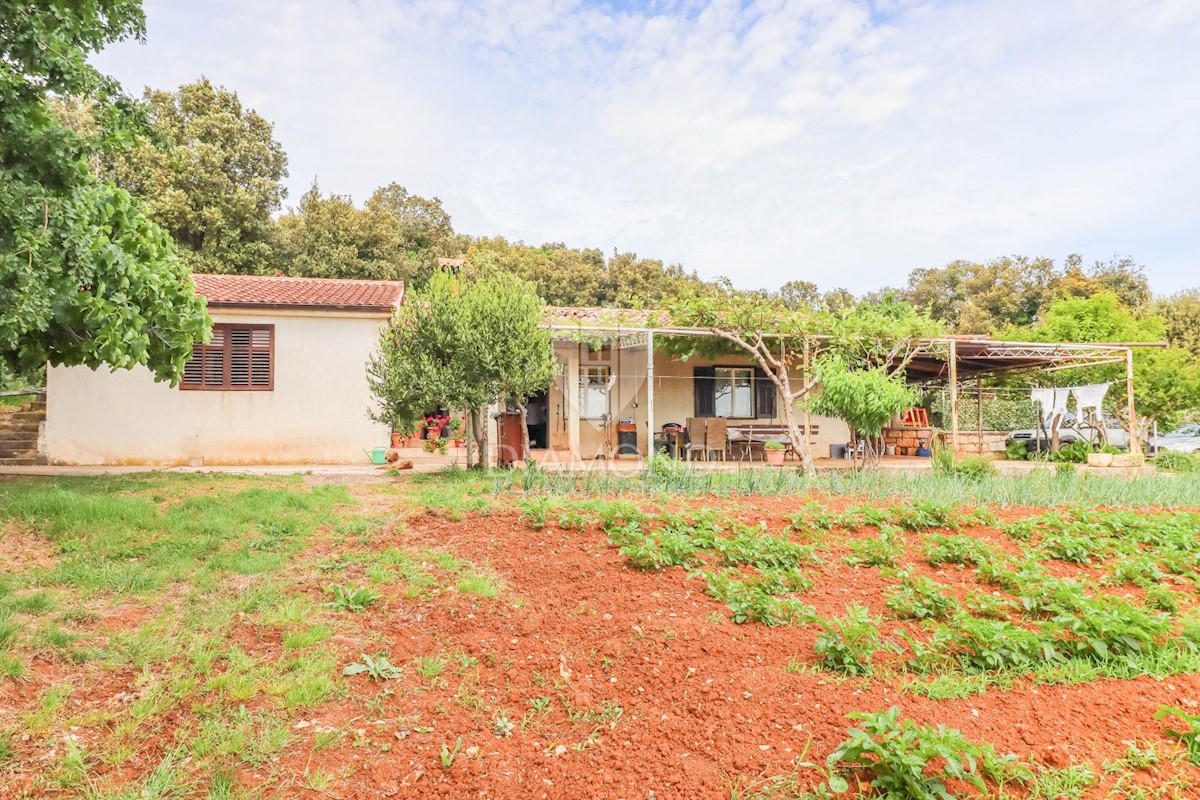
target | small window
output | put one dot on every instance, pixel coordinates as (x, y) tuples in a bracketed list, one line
[(593, 392), (734, 393), (239, 358)]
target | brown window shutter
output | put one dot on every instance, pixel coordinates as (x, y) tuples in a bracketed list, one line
[(238, 358)]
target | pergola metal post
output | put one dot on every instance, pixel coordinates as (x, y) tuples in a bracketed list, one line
[(953, 396), (1135, 444), (650, 392), (979, 412)]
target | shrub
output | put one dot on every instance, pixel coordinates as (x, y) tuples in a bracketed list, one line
[(1172, 461), (849, 642), (900, 757)]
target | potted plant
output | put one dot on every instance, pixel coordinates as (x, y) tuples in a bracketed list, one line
[(451, 429), (774, 452)]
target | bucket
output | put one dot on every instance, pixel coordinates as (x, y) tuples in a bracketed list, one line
[(890, 450), (837, 451), (378, 455)]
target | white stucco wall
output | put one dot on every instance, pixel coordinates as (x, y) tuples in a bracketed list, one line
[(317, 412)]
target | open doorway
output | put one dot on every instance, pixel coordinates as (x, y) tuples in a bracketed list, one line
[(537, 420)]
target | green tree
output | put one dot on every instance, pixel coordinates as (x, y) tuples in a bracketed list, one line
[(1166, 381), (462, 344), (866, 398), (395, 236), (86, 277), (1181, 316), (212, 176), (972, 297), (879, 336), (330, 237)]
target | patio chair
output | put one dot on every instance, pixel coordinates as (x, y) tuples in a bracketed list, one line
[(716, 437), (695, 438)]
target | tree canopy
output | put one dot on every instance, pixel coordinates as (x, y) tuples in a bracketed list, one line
[(462, 344), (86, 277), (794, 344), (1166, 381), (211, 175)]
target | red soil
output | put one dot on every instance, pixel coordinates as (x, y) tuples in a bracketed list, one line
[(705, 702)]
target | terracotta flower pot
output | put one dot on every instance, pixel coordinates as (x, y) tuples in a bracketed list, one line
[(775, 457), (398, 440)]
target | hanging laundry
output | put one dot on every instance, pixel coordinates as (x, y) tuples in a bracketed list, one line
[(1091, 396), (1053, 402), (1044, 399), (1059, 407)]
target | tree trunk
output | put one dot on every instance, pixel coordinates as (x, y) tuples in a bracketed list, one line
[(798, 443), (524, 454), (477, 429), (468, 436)]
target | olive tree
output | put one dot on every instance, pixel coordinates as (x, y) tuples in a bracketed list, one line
[(462, 344)]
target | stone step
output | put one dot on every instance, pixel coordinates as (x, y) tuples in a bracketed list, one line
[(20, 425), (19, 461), (23, 416)]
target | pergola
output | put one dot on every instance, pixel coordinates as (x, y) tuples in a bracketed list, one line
[(949, 359), (955, 359)]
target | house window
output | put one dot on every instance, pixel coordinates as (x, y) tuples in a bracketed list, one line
[(239, 358), (734, 392), (593, 392)]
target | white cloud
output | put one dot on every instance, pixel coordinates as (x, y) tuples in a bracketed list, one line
[(843, 141)]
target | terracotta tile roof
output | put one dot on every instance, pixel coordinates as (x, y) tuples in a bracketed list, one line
[(326, 293)]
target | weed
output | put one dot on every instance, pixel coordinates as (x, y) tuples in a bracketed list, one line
[(346, 598), (377, 668), (885, 550), (848, 643), (1189, 735), (914, 761), (502, 726), (430, 667), (918, 597), (1067, 783), (447, 755), (960, 550)]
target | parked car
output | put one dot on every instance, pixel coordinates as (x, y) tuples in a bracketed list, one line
[(1181, 440), (1072, 430)]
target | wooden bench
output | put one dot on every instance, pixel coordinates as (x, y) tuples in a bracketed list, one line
[(754, 434)]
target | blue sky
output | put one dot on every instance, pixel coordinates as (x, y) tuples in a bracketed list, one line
[(836, 141)]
